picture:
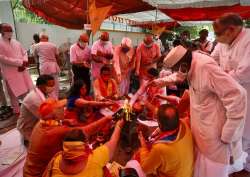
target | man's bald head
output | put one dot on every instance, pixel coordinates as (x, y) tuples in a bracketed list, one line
[(227, 27), (43, 37), (168, 117)]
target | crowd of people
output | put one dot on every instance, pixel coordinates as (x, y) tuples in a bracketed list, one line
[(197, 93)]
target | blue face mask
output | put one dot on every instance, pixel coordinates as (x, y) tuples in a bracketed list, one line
[(125, 49)]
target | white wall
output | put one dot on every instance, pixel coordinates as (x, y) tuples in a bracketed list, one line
[(59, 35), (6, 15)]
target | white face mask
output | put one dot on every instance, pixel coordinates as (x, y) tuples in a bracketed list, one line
[(7, 35), (82, 44), (148, 45), (104, 42)]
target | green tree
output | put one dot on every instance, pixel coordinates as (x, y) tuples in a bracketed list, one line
[(21, 14)]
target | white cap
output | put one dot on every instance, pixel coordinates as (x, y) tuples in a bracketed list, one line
[(174, 56), (127, 41), (135, 165)]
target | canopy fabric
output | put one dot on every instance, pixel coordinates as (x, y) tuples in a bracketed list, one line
[(73, 14), (167, 25), (209, 13), (147, 16), (178, 4)]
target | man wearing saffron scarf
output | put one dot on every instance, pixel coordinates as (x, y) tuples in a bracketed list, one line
[(77, 159), (171, 154), (147, 56), (105, 87), (80, 58), (46, 138)]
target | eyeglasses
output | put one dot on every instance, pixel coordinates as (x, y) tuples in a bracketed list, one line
[(220, 33)]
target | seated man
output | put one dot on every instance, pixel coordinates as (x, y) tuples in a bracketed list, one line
[(47, 136), (171, 153), (29, 115), (77, 159), (105, 87)]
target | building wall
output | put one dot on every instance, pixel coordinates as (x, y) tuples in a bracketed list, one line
[(6, 15), (60, 35)]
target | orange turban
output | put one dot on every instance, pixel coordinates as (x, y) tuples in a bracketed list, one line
[(47, 107), (84, 37), (104, 36)]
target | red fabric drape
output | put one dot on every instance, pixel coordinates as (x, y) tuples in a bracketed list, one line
[(72, 13), (209, 13)]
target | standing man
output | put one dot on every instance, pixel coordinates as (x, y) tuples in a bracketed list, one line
[(217, 106), (13, 63), (47, 53), (233, 55), (124, 64), (204, 44), (102, 53), (80, 58), (147, 56), (29, 114)]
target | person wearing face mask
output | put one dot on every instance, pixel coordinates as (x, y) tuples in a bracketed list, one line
[(48, 134), (13, 64), (80, 58), (217, 106), (80, 105), (102, 53), (232, 54), (105, 87), (148, 54), (124, 63), (48, 56), (29, 114)]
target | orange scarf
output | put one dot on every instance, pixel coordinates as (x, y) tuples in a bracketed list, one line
[(107, 89)]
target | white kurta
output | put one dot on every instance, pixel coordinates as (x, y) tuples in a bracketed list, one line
[(12, 56), (235, 59), (218, 108), (29, 114), (107, 49), (18, 83), (47, 52)]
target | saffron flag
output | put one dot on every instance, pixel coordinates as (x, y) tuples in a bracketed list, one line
[(97, 15), (157, 30)]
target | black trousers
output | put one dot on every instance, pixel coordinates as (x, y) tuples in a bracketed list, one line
[(82, 73)]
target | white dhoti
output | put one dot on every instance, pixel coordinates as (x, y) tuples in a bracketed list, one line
[(205, 167), (55, 93), (124, 85)]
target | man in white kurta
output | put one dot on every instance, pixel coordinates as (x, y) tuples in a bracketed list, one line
[(233, 55), (29, 114), (217, 106), (124, 64), (80, 58), (47, 53), (13, 61), (102, 53)]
